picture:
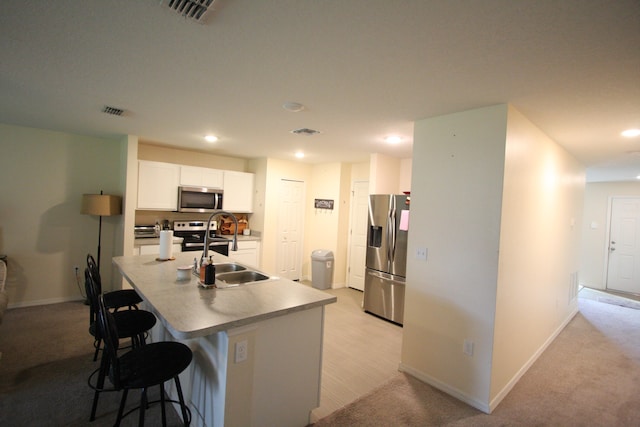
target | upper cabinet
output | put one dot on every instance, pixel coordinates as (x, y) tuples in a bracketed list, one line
[(158, 185), (201, 177), (238, 192)]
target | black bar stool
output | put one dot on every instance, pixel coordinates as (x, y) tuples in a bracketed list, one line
[(132, 324), (143, 367), (114, 300)]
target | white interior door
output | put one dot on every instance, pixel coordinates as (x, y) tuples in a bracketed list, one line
[(358, 241), (623, 272), (290, 223)]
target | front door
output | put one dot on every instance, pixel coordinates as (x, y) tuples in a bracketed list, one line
[(623, 272), (358, 242)]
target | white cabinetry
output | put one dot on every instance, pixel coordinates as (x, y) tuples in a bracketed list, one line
[(238, 192), (158, 185), (247, 253), (201, 177)]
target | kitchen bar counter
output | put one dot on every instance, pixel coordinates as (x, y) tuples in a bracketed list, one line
[(189, 311), (257, 348)]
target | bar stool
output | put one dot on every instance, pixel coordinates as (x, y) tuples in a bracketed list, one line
[(4, 299), (113, 300), (143, 367), (132, 324)]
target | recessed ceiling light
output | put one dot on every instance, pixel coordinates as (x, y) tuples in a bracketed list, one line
[(300, 155), (211, 138), (631, 133), (294, 107), (393, 139)]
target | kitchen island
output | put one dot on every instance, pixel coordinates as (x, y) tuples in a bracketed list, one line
[(257, 346)]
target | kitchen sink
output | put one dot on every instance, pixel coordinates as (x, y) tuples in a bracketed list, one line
[(240, 277), (229, 266)]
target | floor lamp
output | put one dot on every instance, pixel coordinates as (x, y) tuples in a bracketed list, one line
[(101, 205)]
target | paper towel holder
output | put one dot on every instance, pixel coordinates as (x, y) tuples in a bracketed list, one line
[(163, 242)]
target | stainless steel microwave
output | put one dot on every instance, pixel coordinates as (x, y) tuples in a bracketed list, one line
[(199, 199)]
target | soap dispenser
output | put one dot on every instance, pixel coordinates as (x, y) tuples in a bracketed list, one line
[(210, 273)]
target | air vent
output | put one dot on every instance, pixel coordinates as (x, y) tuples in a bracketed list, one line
[(305, 131), (112, 110), (192, 9)]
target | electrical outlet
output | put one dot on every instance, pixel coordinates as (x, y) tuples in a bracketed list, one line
[(242, 348)]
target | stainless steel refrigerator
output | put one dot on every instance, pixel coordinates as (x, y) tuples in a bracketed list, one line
[(386, 262)]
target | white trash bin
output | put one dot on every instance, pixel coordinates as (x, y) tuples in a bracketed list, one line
[(321, 269)]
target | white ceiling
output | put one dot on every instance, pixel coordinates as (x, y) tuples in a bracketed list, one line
[(364, 69)]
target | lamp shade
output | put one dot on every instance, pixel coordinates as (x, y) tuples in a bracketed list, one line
[(101, 204)]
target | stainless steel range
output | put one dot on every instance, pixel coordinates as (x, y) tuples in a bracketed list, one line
[(193, 232)]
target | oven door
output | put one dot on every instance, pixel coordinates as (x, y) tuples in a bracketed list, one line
[(221, 247)]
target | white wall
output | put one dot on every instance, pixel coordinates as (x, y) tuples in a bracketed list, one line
[(389, 175), (455, 214), (157, 153), (404, 182), (384, 174), (129, 190), (44, 175), (595, 228), (472, 277), (259, 168), (539, 250), (360, 171)]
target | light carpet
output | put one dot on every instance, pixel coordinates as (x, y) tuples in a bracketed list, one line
[(589, 376)]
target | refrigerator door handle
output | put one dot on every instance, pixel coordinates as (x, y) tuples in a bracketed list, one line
[(392, 227), (391, 230), (386, 277), (389, 238)]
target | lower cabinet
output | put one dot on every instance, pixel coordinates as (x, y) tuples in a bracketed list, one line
[(248, 253)]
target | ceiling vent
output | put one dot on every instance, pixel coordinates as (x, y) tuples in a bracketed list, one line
[(305, 131), (192, 9), (112, 110)]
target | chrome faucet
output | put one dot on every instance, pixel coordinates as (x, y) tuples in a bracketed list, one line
[(207, 237)]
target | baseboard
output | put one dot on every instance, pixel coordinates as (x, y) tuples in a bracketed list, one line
[(507, 388), (45, 302), (463, 397), (483, 406)]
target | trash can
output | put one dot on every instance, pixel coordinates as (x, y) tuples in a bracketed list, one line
[(321, 268)]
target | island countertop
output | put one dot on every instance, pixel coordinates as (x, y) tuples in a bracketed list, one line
[(189, 311)]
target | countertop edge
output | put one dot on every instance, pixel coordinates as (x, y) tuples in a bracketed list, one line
[(248, 320)]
